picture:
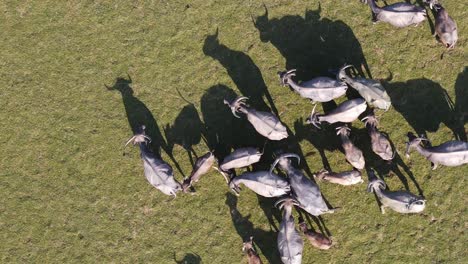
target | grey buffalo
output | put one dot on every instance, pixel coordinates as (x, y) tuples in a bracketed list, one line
[(353, 154), (320, 89), (263, 183), (445, 26), (343, 178), (345, 112), (266, 124), (240, 158), (401, 14), (399, 201), (202, 166), (380, 144), (157, 172), (290, 244), (452, 153), (371, 90), (305, 191)]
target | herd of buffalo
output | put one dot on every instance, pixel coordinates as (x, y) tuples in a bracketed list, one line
[(288, 183)]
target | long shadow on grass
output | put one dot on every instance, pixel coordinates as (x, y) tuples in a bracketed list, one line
[(322, 139), (315, 46), (138, 114), (397, 166), (314, 219), (249, 80), (224, 132), (243, 71), (312, 44), (186, 131), (425, 105), (265, 240), (461, 103), (189, 258)]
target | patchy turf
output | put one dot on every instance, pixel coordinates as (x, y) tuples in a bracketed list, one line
[(68, 194)]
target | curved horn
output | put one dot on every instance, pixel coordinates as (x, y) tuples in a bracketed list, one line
[(226, 175), (291, 71), (346, 67), (343, 130), (236, 101), (253, 20), (130, 140), (216, 33), (313, 118), (234, 112), (285, 75), (266, 10), (137, 138), (147, 138), (371, 120), (291, 155), (284, 200), (414, 142), (280, 201), (264, 145), (241, 98), (342, 71), (282, 156), (316, 124), (272, 167), (234, 188), (233, 105), (313, 109)]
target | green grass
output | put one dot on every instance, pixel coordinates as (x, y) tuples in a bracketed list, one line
[(68, 194)]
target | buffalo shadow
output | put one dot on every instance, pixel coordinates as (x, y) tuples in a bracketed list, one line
[(243, 72), (249, 80), (189, 258), (312, 44), (272, 213), (425, 105), (318, 220), (461, 98), (225, 132), (138, 114), (187, 131), (315, 46), (396, 166), (322, 139), (265, 240)]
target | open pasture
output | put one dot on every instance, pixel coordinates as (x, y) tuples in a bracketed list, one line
[(79, 76)]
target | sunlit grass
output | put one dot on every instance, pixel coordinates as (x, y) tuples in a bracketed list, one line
[(68, 194)]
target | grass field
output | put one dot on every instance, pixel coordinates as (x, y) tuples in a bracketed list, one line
[(79, 76)]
